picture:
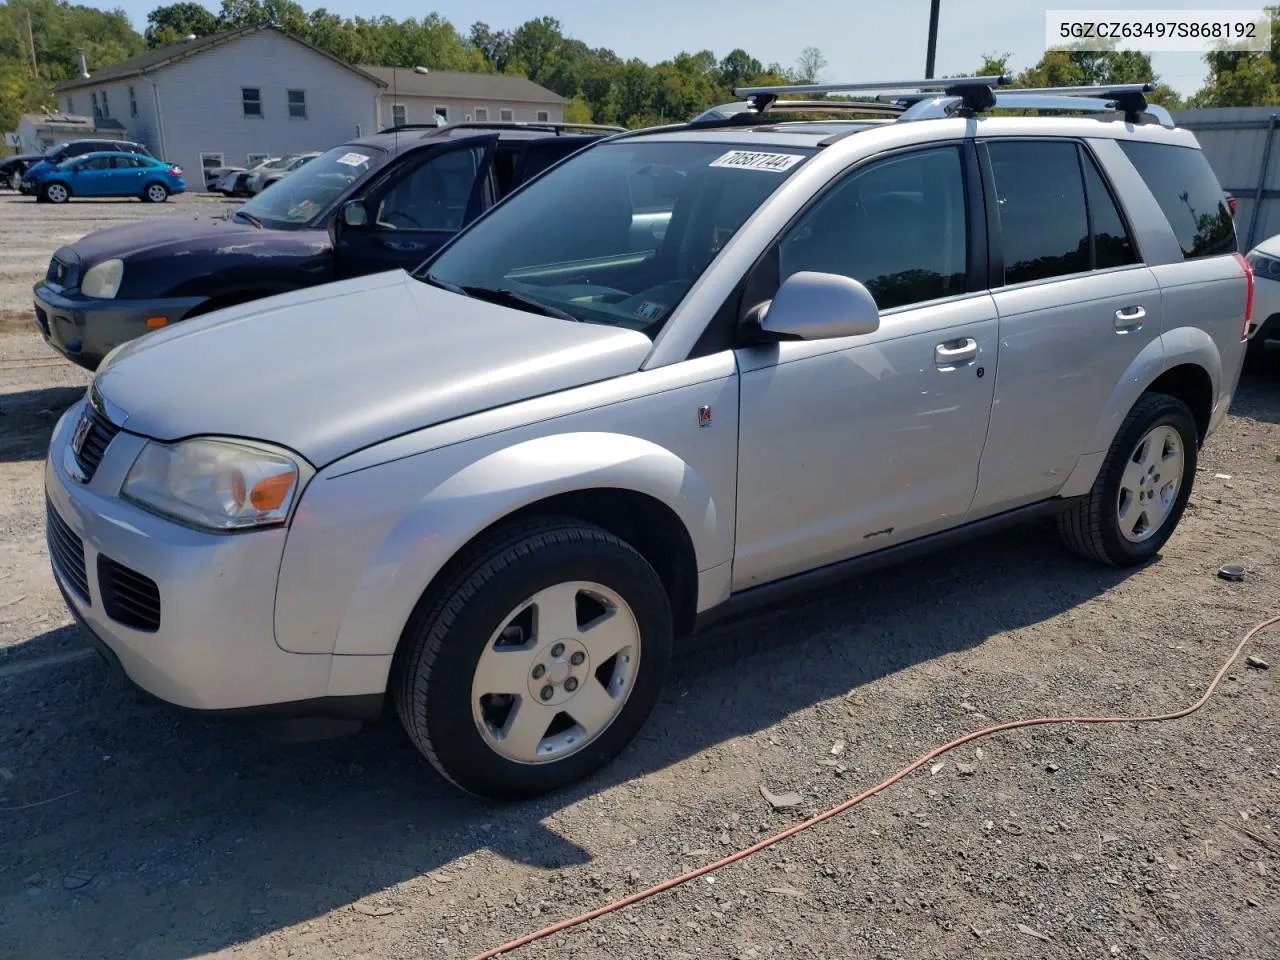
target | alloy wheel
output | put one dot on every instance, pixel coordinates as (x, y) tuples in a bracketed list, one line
[(556, 673), (1150, 483), (156, 193)]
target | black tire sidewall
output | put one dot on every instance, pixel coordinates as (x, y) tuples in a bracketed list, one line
[(459, 748), (1171, 412)]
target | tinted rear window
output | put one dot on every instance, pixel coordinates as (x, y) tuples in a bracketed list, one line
[(1189, 194)]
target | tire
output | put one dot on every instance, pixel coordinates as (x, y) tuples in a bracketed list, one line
[(155, 193), (1093, 526), (56, 192), (438, 679)]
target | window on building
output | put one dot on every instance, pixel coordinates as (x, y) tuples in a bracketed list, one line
[(71, 106), (443, 113), (898, 226), (543, 116), (482, 114), (97, 110), (251, 99), (397, 115), (297, 104), (506, 115), (1040, 195), (133, 103), (256, 158), (106, 107), (1184, 185)]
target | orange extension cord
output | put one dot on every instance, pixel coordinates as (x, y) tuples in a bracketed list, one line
[(854, 801)]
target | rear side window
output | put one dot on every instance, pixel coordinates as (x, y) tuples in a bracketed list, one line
[(1189, 194), (1044, 225)]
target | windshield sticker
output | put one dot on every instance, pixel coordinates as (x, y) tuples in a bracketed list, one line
[(750, 160), (353, 159), (650, 311)]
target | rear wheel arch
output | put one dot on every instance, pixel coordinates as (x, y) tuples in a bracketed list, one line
[(1193, 385)]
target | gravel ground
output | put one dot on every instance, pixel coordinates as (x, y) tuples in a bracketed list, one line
[(128, 830)]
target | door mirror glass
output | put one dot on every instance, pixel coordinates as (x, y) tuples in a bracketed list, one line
[(818, 306), (354, 214)]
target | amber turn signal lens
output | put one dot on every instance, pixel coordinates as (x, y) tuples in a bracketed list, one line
[(157, 321), (270, 492)]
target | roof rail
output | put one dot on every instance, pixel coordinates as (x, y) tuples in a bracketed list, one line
[(1128, 98), (554, 127)]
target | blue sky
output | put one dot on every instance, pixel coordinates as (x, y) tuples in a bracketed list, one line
[(881, 39)]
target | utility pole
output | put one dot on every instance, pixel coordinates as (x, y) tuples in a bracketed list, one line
[(31, 41), (933, 39)]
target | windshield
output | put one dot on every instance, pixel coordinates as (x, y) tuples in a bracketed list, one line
[(301, 197), (618, 234)]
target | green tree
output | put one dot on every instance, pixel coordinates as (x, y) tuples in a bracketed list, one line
[(577, 110), (738, 69), (1239, 78), (166, 25), (810, 66)]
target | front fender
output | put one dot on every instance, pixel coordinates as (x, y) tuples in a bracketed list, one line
[(372, 597)]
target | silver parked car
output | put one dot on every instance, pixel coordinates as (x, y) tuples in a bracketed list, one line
[(582, 428)]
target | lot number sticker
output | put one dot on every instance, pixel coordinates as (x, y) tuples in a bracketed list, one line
[(750, 160), (353, 159)]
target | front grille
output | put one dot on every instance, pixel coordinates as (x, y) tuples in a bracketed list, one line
[(42, 319), (98, 436), (66, 550), (128, 597)]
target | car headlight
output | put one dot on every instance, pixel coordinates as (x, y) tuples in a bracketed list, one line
[(215, 484), (1264, 266), (103, 280)]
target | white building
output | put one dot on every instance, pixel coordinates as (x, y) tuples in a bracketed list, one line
[(420, 96), (42, 132), (230, 98)]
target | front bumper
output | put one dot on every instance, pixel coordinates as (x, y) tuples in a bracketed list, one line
[(214, 645), (85, 330)]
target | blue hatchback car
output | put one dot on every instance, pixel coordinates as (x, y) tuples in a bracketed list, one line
[(106, 174)]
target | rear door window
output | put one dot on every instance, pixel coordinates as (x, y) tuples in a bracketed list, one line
[(1112, 244), (1184, 185), (1044, 225)]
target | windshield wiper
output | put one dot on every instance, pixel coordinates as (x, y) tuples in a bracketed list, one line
[(445, 285), (512, 299), (250, 217)]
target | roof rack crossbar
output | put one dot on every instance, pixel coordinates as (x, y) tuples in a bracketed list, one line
[(878, 86), (1128, 99), (553, 126)]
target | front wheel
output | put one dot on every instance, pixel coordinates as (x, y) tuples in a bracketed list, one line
[(155, 193), (537, 662), (1142, 489), (56, 193)]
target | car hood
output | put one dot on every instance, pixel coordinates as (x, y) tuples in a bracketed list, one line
[(131, 238), (1269, 247), (38, 170), (332, 369)]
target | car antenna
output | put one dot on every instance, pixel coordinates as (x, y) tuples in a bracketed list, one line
[(394, 97)]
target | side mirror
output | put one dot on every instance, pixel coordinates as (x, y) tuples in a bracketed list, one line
[(817, 306), (355, 214)]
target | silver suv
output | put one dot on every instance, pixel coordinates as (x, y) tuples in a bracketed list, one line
[(685, 370)]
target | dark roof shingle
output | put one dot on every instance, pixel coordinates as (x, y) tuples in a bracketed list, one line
[(447, 84), (153, 59)]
